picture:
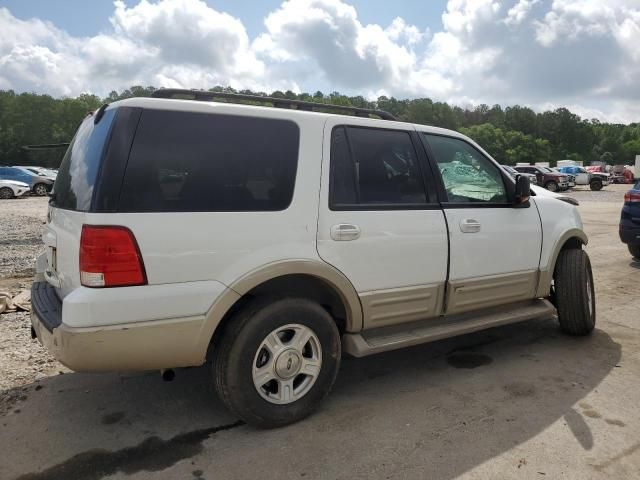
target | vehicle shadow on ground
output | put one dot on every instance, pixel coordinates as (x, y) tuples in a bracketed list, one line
[(443, 407)]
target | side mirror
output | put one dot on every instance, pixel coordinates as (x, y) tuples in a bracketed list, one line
[(523, 191)]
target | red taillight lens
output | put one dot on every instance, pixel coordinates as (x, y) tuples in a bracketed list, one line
[(110, 257), (631, 197)]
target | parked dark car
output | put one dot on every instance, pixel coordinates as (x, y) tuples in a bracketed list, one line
[(533, 180), (39, 185), (630, 221), (547, 178)]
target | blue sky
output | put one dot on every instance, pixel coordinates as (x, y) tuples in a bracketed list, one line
[(82, 17), (580, 54)]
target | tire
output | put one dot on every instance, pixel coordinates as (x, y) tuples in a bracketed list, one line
[(243, 351), (40, 189), (596, 185), (634, 250), (551, 186), (574, 292), (6, 193)]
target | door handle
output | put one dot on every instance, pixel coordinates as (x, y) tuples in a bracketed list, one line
[(344, 232), (469, 225)]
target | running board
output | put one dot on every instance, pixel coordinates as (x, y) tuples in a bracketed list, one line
[(414, 333)]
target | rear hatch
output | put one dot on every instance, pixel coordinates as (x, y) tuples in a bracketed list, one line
[(71, 199)]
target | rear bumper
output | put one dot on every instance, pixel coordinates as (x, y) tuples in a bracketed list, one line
[(146, 345), (630, 235)]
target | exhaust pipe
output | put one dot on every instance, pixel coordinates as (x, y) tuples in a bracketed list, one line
[(168, 375)]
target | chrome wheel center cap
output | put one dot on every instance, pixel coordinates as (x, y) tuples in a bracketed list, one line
[(288, 364)]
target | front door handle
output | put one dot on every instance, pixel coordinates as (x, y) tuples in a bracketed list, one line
[(344, 232), (469, 225)]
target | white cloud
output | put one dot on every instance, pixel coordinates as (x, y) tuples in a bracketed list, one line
[(519, 12), (582, 53)]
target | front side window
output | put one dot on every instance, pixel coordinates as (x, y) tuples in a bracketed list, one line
[(468, 176), (374, 167)]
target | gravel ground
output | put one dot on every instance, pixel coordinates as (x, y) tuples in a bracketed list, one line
[(607, 194), (21, 222), (22, 360), (386, 410)]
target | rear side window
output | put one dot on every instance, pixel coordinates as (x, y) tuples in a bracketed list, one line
[(196, 162), (374, 168), (79, 168)]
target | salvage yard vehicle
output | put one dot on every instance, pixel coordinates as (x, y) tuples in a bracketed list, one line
[(595, 180), (271, 240), (12, 189), (43, 172), (39, 184), (514, 173), (547, 178), (630, 221)]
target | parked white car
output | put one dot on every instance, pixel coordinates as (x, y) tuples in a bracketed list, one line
[(12, 189), (273, 240)]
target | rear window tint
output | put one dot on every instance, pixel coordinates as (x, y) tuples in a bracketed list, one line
[(196, 162), (374, 167), (79, 169)]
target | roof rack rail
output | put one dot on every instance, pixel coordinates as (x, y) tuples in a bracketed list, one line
[(203, 95)]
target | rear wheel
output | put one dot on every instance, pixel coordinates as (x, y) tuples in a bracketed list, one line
[(277, 361), (596, 185), (574, 292), (40, 189), (634, 250), (551, 186), (6, 193)]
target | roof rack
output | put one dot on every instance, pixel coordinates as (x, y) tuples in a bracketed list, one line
[(203, 95)]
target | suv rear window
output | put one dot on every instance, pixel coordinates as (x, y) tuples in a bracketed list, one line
[(79, 168), (198, 162)]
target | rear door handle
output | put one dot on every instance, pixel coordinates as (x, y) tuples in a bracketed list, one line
[(345, 232), (469, 225)]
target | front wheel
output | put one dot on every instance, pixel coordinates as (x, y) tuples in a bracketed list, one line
[(574, 292), (551, 186), (40, 189), (6, 193), (634, 250), (595, 185), (277, 361)]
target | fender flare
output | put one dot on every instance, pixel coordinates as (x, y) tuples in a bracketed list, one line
[(546, 273), (318, 269)]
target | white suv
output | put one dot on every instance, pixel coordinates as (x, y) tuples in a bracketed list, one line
[(271, 240)]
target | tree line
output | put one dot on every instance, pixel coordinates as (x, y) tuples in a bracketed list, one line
[(512, 134)]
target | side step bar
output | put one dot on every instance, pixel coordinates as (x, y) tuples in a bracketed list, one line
[(399, 336)]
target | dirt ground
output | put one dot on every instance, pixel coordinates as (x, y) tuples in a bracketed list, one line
[(521, 401)]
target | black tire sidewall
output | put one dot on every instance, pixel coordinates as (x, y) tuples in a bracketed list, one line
[(634, 250), (242, 395), (4, 189), (572, 300), (596, 185)]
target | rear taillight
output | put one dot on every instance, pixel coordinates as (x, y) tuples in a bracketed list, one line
[(110, 257), (631, 197)]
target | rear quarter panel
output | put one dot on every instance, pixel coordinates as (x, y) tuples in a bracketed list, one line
[(223, 246)]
